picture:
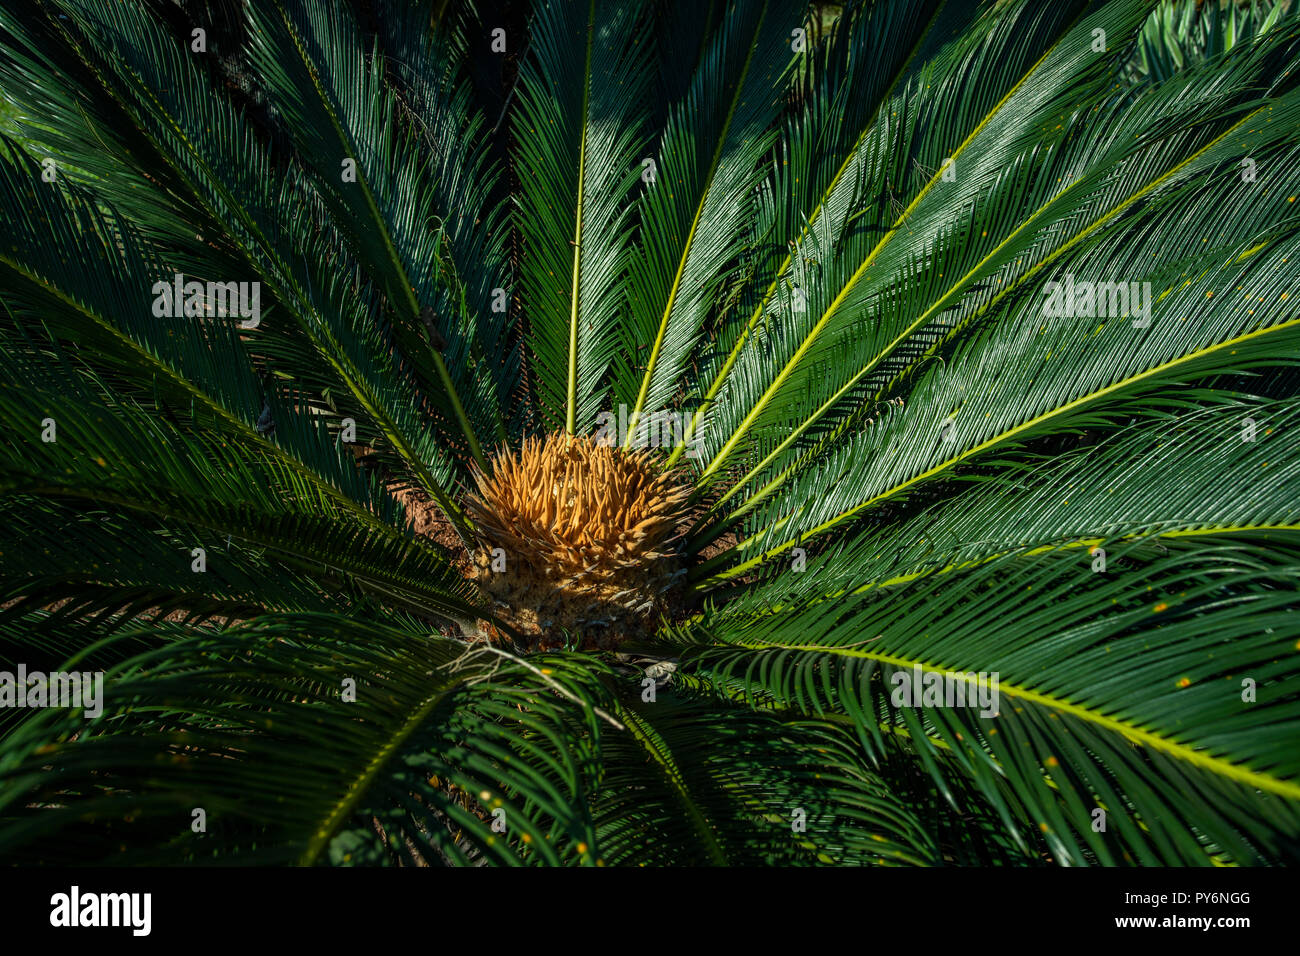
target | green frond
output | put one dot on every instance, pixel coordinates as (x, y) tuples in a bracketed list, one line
[(581, 141), (967, 331), (1137, 692)]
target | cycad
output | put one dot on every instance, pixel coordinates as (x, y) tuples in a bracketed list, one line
[(816, 262)]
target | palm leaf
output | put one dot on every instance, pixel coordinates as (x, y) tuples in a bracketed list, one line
[(820, 238)]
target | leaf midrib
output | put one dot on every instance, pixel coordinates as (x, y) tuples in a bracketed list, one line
[(868, 260), (657, 749), (571, 415), (294, 464), (734, 354), (390, 250), (996, 440), (952, 292), (349, 376), (359, 786), (705, 192), (1216, 765)]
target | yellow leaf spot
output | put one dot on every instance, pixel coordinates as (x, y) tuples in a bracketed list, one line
[(1185, 682), (1162, 606)]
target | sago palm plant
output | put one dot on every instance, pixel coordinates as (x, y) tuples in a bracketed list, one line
[(655, 433)]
